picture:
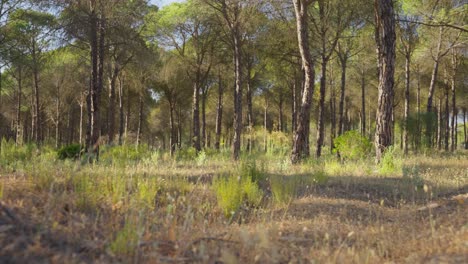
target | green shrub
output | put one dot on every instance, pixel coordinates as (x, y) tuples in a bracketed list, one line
[(390, 163), (249, 170), (69, 152), (352, 145), (283, 188), (126, 240), (186, 154), (232, 192)]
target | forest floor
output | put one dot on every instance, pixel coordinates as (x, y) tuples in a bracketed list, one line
[(155, 211)]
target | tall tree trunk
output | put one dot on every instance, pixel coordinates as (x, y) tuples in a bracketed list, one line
[(418, 99), (121, 110), (300, 143), (250, 119), (464, 128), (454, 105), (219, 113), (434, 73), (57, 117), (363, 103), (236, 145), (280, 113), (430, 123), (265, 125), (294, 105), (111, 113), (341, 116), (18, 138), (385, 30), (179, 128), (439, 125), (407, 102), (173, 137), (36, 115), (196, 114), (332, 114), (321, 116), (446, 117), (204, 135), (97, 29), (140, 121)]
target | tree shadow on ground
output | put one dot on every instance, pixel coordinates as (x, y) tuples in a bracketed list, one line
[(388, 191)]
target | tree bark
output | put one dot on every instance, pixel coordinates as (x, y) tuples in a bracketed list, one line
[(454, 105), (111, 114), (363, 103), (300, 143), (196, 115), (385, 30), (36, 115), (321, 116), (236, 145), (173, 137), (204, 134), (18, 107), (140, 121), (464, 128), (219, 113), (446, 117), (341, 116), (121, 110), (407, 101), (57, 117), (439, 125)]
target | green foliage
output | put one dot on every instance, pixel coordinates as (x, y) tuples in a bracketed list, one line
[(249, 170), (124, 154), (411, 174), (69, 152), (126, 240), (352, 145), (11, 155), (233, 192), (186, 154), (391, 162)]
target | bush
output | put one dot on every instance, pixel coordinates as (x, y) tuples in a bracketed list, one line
[(352, 145), (233, 192), (249, 170), (391, 163), (69, 152)]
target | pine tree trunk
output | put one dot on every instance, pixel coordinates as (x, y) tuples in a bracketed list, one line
[(454, 105), (301, 137), (385, 30), (121, 110), (446, 118), (439, 125), (430, 125), (418, 99), (363, 103), (250, 118), (341, 116), (18, 138), (407, 102), (236, 145), (464, 128), (332, 115), (57, 117), (219, 113), (204, 135), (196, 115), (140, 121), (173, 136), (111, 114), (321, 117)]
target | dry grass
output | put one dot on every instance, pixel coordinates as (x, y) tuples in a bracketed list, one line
[(166, 211)]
